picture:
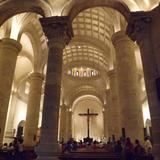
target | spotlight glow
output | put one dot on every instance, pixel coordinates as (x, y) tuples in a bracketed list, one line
[(15, 28)]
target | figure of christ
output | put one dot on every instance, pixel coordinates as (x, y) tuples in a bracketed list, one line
[(88, 115)]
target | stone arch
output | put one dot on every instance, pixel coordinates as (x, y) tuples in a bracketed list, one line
[(89, 94), (81, 105), (21, 123), (82, 91), (79, 6), (9, 9), (20, 129), (39, 59)]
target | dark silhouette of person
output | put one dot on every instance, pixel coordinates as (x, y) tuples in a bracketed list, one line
[(118, 148), (139, 151), (128, 150)]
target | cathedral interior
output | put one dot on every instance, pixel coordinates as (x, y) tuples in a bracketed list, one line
[(60, 59)]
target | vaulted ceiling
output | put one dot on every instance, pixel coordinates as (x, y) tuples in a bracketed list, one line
[(93, 22)]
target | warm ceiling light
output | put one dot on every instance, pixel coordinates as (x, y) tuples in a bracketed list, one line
[(147, 2)]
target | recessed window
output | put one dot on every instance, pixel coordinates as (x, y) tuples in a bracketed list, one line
[(82, 72)]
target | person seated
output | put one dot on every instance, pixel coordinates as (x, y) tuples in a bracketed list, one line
[(5, 146), (11, 152), (108, 147), (71, 145), (94, 145), (11, 147), (81, 145)]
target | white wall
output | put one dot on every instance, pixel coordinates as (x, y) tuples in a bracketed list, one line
[(146, 112), (20, 113), (79, 123)]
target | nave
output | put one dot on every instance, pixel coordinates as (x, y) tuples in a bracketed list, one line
[(87, 70)]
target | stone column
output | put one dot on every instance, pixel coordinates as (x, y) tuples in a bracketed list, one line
[(58, 31), (33, 109), (9, 50), (105, 121), (69, 125), (62, 134), (10, 131), (108, 117), (129, 91), (139, 29), (114, 110)]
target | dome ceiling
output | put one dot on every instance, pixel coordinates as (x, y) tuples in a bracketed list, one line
[(92, 44), (91, 47), (95, 23), (75, 54)]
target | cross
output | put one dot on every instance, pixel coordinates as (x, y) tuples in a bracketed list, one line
[(88, 114)]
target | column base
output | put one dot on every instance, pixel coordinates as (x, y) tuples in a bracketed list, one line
[(48, 151)]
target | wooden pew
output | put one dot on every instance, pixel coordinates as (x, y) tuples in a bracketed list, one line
[(88, 156), (95, 155), (11, 155)]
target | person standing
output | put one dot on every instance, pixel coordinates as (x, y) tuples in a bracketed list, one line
[(139, 151), (128, 150), (148, 146)]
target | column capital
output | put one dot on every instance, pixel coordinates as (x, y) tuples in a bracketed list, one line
[(63, 106), (107, 91), (138, 25), (112, 73), (57, 29), (36, 75), (10, 43), (120, 36)]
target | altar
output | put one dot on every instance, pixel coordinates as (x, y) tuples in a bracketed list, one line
[(87, 119), (88, 115)]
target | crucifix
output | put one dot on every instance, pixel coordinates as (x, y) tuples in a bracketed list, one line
[(88, 114)]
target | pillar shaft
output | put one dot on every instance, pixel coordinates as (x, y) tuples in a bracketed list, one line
[(62, 134), (69, 125), (108, 117), (9, 131), (105, 121), (129, 91), (114, 109), (57, 30), (139, 29), (9, 50), (33, 109)]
